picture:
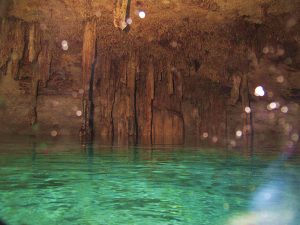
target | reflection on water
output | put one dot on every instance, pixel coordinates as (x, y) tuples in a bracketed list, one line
[(276, 200), (47, 183)]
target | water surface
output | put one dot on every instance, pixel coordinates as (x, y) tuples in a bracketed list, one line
[(54, 183)]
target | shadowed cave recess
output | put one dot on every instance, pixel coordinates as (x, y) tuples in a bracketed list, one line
[(152, 72)]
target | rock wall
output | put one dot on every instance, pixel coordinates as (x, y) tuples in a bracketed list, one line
[(146, 93), (139, 99)]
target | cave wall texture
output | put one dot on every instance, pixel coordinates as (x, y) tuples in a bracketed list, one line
[(182, 75)]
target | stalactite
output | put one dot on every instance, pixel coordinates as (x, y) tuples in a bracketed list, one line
[(34, 95), (34, 42), (18, 49), (121, 108), (161, 70), (247, 123), (131, 85), (167, 119), (179, 85), (235, 90), (36, 58), (170, 80), (39, 57), (145, 97), (12, 42), (41, 71), (150, 89), (123, 72), (121, 13), (106, 91), (88, 63), (124, 110), (150, 81), (44, 62), (5, 50)]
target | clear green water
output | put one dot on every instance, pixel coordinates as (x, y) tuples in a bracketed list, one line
[(63, 184)]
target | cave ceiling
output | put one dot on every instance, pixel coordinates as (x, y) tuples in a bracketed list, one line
[(223, 35), (64, 17)]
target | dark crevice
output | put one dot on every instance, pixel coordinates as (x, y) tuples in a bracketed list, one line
[(135, 112)]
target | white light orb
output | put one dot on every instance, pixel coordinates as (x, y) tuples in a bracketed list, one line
[(54, 133), (272, 106), (259, 91), (64, 45), (129, 21), (142, 14), (266, 50), (248, 110), (238, 133), (284, 109), (280, 79), (78, 113)]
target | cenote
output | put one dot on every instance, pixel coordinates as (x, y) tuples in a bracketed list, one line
[(54, 183), (149, 112)]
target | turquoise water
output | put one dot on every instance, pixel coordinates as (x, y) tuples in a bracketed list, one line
[(65, 184)]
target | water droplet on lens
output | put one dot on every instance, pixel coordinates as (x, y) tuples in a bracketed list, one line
[(78, 113)]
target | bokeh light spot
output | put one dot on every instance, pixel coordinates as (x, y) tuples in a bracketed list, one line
[(142, 14), (284, 109), (247, 109), (238, 133), (273, 105), (64, 45), (266, 50), (215, 139), (280, 79), (259, 91), (78, 113), (205, 135), (54, 133), (129, 21)]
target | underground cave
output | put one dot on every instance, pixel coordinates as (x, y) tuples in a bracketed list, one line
[(149, 112)]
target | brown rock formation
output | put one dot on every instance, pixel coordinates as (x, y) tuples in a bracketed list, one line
[(88, 65), (183, 74)]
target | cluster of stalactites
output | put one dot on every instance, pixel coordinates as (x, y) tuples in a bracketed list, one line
[(121, 10)]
